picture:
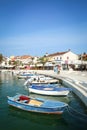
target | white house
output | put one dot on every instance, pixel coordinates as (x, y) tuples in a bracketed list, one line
[(63, 58)]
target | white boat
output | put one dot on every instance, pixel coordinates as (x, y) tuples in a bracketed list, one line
[(26, 75), (49, 90), (40, 80)]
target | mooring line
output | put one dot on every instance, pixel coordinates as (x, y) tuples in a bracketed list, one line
[(76, 114)]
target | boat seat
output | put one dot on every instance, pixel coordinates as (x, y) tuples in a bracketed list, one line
[(35, 103)]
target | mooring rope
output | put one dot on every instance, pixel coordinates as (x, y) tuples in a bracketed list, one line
[(76, 114)]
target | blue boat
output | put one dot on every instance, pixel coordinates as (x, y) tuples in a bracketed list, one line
[(26, 75), (51, 90), (38, 105)]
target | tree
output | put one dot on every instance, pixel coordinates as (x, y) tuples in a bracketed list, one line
[(1, 58), (83, 57), (43, 60)]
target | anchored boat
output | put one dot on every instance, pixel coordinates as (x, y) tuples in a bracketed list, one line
[(38, 105), (51, 90)]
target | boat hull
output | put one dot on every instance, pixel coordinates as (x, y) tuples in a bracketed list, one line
[(52, 93), (48, 90)]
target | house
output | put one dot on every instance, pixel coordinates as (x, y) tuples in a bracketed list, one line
[(25, 59), (64, 59)]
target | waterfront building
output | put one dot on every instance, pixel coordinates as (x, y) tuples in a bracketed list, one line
[(63, 59)]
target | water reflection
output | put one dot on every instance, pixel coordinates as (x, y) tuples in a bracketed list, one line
[(65, 121), (37, 118)]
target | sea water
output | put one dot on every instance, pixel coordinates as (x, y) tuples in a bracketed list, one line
[(16, 119)]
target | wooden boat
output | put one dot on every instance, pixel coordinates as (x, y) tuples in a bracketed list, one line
[(38, 105), (49, 90)]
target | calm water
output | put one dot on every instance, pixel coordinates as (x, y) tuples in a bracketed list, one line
[(15, 119)]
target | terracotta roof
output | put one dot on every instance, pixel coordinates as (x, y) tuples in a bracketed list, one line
[(85, 55), (57, 53), (23, 57)]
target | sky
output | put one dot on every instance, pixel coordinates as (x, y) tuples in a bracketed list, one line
[(37, 27)]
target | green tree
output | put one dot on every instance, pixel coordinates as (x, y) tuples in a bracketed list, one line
[(1, 58), (43, 60)]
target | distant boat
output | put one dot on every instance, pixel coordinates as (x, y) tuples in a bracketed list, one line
[(49, 90), (26, 75), (38, 105), (40, 79)]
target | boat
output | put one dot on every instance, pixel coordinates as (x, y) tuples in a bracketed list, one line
[(40, 80), (51, 90), (26, 75), (38, 105)]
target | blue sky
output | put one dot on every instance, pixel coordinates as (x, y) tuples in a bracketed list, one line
[(35, 27)]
